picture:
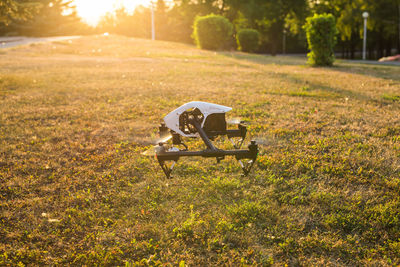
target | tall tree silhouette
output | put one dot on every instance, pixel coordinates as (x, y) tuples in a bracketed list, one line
[(16, 9), (55, 17)]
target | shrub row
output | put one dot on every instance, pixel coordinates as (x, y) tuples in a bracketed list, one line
[(213, 32)]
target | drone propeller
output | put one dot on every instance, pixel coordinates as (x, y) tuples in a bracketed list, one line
[(262, 140), (236, 121), (152, 151), (163, 139)]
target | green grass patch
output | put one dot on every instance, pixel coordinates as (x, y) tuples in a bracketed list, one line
[(393, 98)]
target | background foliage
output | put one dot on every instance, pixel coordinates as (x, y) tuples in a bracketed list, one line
[(248, 40), (16, 9), (212, 31), (321, 36), (272, 19)]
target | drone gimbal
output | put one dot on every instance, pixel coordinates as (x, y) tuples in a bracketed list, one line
[(207, 121)]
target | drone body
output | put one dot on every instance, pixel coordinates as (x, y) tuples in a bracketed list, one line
[(206, 121), (175, 120)]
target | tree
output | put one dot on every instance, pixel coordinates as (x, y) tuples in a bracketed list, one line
[(385, 22), (270, 17), (121, 22), (350, 23), (161, 21), (182, 15), (16, 9), (55, 17)]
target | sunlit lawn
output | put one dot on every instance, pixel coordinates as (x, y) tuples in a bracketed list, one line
[(75, 115)]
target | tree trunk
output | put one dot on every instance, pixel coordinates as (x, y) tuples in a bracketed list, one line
[(273, 49), (371, 52), (388, 51), (380, 46), (342, 50), (398, 40), (352, 48)]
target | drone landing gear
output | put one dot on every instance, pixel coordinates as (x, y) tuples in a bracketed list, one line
[(237, 144), (246, 167), (241, 155), (166, 169), (211, 152)]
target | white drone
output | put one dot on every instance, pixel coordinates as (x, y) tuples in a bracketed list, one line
[(207, 121)]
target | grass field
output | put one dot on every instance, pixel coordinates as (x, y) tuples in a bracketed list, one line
[(74, 188)]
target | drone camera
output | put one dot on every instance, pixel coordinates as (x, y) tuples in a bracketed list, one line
[(163, 129), (215, 123)]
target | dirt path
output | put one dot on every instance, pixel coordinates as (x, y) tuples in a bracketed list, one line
[(6, 42)]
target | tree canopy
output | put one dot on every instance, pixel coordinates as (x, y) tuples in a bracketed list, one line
[(16, 9), (277, 21), (40, 18)]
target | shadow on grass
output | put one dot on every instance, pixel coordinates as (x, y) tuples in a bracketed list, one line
[(266, 59), (378, 71), (382, 72), (335, 91)]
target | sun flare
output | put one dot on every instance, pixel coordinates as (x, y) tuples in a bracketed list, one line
[(91, 11)]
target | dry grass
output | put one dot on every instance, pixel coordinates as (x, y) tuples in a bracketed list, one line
[(74, 117)]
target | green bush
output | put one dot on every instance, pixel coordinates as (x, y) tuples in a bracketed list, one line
[(321, 36), (212, 31), (248, 40)]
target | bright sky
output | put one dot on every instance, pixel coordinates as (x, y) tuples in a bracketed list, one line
[(92, 10)]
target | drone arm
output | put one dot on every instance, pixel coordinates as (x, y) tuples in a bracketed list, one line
[(241, 132), (203, 135), (250, 154), (175, 155)]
